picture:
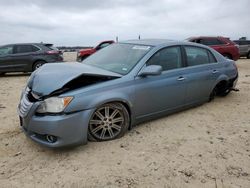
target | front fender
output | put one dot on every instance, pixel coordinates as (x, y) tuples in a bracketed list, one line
[(85, 101)]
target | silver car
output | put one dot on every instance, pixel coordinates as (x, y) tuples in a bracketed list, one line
[(118, 87), (244, 47)]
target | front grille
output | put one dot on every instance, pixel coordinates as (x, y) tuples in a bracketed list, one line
[(25, 104)]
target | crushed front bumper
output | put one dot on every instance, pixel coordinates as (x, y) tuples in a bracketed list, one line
[(68, 129)]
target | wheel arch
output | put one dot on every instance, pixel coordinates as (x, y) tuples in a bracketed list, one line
[(35, 61)]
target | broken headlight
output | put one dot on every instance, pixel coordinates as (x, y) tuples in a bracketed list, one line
[(54, 104)]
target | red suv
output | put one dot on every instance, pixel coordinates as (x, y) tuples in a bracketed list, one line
[(221, 44), (84, 53)]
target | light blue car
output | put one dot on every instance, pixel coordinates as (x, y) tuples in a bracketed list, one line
[(118, 87)]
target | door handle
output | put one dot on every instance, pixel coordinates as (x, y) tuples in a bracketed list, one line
[(181, 78), (215, 71)]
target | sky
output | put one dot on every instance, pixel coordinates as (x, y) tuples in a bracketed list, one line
[(87, 22)]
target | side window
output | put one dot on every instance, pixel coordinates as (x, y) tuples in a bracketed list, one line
[(169, 58), (196, 56), (211, 42), (211, 57), (35, 49), (5, 50), (25, 49)]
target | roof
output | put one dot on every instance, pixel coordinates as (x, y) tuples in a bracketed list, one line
[(31, 43), (149, 42), (195, 37)]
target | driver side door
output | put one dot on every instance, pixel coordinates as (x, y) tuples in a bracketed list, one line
[(163, 93)]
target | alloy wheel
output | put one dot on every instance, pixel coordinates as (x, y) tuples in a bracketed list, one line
[(107, 122)]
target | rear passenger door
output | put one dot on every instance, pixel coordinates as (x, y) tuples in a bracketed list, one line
[(202, 71), (22, 56)]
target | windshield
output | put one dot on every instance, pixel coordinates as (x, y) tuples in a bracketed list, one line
[(119, 58)]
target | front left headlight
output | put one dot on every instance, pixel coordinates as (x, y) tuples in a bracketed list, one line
[(54, 104)]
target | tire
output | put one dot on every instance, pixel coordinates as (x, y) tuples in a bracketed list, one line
[(37, 65), (225, 92), (223, 89), (109, 121), (212, 95), (2, 73), (248, 55)]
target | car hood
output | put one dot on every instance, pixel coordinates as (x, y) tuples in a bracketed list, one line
[(54, 76)]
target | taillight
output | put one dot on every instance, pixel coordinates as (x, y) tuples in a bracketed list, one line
[(51, 52)]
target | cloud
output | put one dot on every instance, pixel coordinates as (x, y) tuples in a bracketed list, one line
[(90, 21)]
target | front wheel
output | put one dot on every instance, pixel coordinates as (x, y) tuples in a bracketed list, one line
[(108, 122)]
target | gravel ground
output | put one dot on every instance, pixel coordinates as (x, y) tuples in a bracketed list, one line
[(207, 146)]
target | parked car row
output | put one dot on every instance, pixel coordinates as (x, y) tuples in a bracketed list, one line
[(118, 87), (84, 53), (27, 57), (221, 44)]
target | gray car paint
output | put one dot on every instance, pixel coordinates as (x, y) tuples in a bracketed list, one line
[(23, 62), (146, 97)]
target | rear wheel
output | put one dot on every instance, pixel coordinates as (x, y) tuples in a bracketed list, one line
[(37, 65), (2, 73), (222, 89), (108, 122), (248, 55)]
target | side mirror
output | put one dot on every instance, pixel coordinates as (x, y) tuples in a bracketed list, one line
[(151, 70)]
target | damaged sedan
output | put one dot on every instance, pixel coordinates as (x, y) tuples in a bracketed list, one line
[(118, 87)]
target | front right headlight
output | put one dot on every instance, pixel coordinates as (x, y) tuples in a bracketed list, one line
[(54, 105)]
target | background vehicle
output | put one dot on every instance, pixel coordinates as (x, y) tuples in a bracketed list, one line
[(222, 45), (118, 87), (244, 46), (84, 53), (27, 57)]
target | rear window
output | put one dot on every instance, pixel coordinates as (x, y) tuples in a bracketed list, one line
[(211, 41)]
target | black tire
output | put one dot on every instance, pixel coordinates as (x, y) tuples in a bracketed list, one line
[(37, 65), (2, 73), (248, 55), (223, 89), (224, 92), (109, 121), (212, 95)]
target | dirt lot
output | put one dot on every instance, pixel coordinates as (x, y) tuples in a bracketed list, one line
[(207, 146)]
